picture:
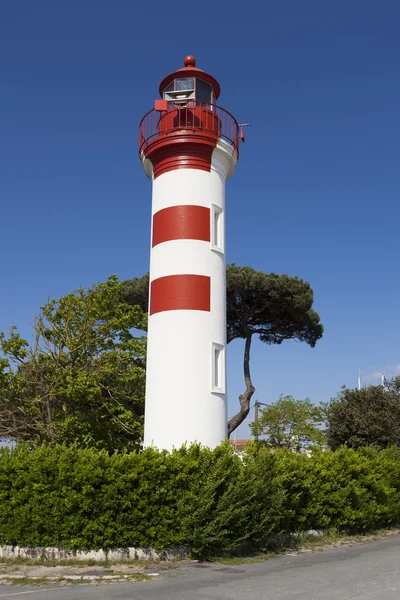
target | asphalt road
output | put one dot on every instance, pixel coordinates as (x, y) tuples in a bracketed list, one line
[(362, 572)]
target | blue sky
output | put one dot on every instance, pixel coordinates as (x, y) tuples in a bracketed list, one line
[(316, 192)]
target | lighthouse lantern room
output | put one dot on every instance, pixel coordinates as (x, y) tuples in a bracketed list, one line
[(189, 147)]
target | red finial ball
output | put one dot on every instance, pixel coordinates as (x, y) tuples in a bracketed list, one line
[(189, 61)]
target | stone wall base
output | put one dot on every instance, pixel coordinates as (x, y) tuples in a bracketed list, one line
[(121, 554), (116, 555)]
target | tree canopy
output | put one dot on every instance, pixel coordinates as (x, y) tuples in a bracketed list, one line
[(291, 424), (366, 417), (135, 292), (275, 307), (82, 379)]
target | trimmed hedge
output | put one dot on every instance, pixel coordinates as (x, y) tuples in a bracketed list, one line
[(354, 490), (211, 501)]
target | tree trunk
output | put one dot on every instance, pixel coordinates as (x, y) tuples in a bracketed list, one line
[(245, 398)]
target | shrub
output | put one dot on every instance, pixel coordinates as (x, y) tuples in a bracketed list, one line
[(210, 500), (366, 417), (233, 503), (347, 489)]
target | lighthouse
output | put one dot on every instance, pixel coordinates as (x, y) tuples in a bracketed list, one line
[(188, 147)]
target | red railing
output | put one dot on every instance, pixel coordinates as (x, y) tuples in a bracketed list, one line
[(192, 116)]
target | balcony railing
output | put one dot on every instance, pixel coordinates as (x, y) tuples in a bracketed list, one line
[(190, 116)]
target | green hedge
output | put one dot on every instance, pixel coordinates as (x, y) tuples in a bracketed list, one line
[(208, 500), (355, 490)]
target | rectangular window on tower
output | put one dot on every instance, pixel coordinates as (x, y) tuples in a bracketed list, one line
[(218, 369), (217, 229)]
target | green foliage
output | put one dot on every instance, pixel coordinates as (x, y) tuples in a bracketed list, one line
[(346, 489), (366, 417), (275, 307), (231, 504), (209, 500), (82, 379), (292, 424), (135, 292), (83, 498)]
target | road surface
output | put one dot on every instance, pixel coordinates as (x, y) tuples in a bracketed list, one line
[(368, 571)]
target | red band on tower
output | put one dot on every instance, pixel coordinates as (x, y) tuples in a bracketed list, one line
[(185, 222), (183, 152), (180, 292)]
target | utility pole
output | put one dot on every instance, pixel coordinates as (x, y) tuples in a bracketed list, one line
[(256, 418), (257, 406)]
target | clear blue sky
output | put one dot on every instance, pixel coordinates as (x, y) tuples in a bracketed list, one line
[(316, 193)]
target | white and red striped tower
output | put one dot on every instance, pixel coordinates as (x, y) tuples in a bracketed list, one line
[(189, 148)]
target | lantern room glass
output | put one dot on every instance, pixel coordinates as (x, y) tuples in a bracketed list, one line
[(203, 91), (186, 84), (184, 89)]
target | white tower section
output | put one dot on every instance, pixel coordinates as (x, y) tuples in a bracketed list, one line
[(186, 360)]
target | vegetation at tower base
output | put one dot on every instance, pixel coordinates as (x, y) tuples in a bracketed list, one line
[(210, 501), (234, 502), (366, 417), (277, 308), (292, 424), (82, 379), (86, 499)]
